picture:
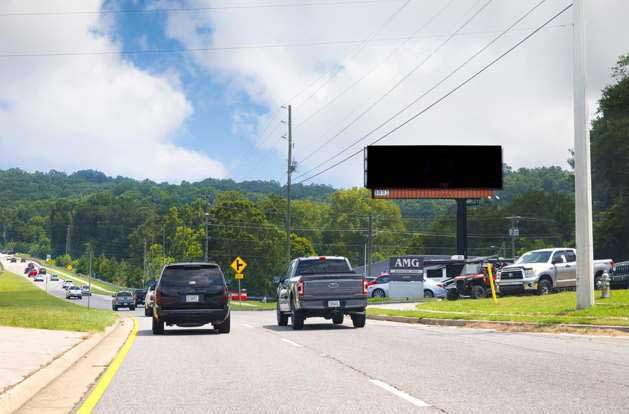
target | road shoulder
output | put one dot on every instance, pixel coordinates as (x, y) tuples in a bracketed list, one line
[(49, 391)]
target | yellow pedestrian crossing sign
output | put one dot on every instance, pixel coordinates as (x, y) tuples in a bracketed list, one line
[(238, 265)]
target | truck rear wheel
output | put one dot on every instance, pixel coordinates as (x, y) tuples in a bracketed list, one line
[(298, 320), (282, 318), (158, 326), (359, 320)]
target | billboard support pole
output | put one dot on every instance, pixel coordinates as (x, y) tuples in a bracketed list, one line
[(461, 226)]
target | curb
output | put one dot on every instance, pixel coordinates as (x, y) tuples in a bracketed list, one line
[(21, 393), (495, 324)]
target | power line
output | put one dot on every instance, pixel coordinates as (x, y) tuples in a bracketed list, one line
[(397, 84), (197, 9), (356, 52), (374, 68), (436, 102)]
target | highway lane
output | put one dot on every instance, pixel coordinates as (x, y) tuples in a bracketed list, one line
[(54, 288), (386, 367)]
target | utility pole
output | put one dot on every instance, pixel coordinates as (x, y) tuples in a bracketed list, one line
[(289, 172), (369, 242), (461, 226), (207, 234), (144, 266), (582, 166), (163, 246), (91, 255), (67, 239), (514, 232)]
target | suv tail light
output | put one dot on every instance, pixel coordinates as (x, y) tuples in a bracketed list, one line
[(300, 288), (158, 296), (613, 265), (365, 287), (226, 295)]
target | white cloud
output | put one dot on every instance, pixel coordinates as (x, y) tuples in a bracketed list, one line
[(523, 103), (96, 111)]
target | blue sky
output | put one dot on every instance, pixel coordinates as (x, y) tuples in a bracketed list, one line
[(70, 100), (210, 128)]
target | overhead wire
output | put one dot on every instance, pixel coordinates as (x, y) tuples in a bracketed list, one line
[(399, 82), (195, 9), (439, 100), (374, 68)]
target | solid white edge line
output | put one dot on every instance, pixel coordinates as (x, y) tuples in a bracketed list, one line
[(288, 341), (246, 325), (415, 401)]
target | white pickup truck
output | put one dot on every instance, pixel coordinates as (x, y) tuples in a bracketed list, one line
[(545, 270)]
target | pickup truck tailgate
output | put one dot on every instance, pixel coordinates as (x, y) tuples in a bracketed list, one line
[(333, 286)]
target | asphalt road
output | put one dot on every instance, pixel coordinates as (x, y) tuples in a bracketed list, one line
[(54, 288), (383, 368)]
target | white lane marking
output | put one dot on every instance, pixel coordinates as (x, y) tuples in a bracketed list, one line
[(415, 401), (288, 341), (246, 325)]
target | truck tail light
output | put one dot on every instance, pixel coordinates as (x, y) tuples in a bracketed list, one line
[(226, 295), (365, 287), (300, 287), (158, 297), (613, 265)]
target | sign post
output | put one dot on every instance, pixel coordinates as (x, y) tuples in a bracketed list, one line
[(491, 282), (239, 266)]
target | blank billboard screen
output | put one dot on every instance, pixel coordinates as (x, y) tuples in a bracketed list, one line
[(433, 166)]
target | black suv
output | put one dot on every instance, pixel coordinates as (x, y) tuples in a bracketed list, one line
[(138, 296), (189, 295)]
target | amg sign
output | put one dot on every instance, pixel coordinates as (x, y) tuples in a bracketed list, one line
[(406, 265)]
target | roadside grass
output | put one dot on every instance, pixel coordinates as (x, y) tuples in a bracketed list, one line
[(547, 310), (24, 305), (251, 305)]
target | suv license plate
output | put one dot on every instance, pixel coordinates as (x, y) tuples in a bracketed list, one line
[(334, 304), (192, 298)]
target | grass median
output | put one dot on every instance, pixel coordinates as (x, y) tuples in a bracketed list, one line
[(251, 305), (24, 305), (546, 310)]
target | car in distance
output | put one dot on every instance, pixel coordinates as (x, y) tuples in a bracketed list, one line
[(74, 292), (321, 286), (22, 260), (139, 296), (85, 290), (190, 295), (122, 299), (38, 278), (545, 270), (148, 301), (42, 270), (54, 278), (13, 260), (67, 284), (32, 273)]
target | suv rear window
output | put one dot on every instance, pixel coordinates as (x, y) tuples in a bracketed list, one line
[(185, 276), (124, 294), (316, 266)]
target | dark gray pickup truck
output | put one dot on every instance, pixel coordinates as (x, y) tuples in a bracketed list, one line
[(321, 286)]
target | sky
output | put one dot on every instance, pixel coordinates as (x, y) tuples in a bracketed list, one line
[(176, 90)]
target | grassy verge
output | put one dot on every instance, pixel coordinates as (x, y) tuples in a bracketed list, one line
[(251, 305), (24, 305), (547, 310)]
